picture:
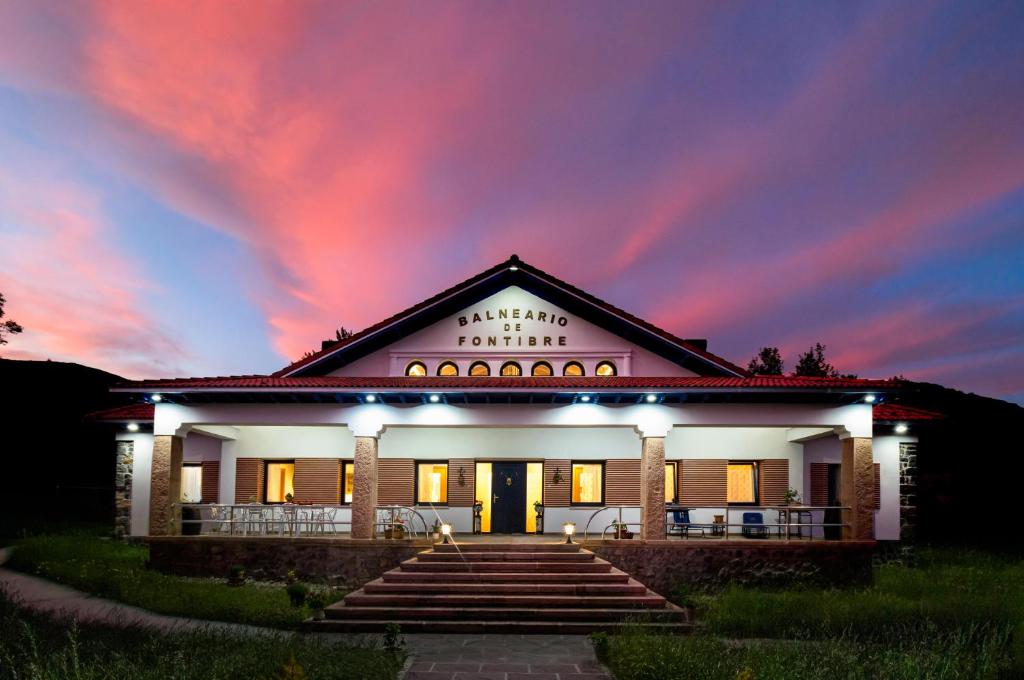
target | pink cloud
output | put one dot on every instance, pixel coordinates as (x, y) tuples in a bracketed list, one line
[(78, 299)]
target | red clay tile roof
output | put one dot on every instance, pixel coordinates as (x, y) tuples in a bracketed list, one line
[(132, 412), (342, 383), (896, 412), (597, 302)]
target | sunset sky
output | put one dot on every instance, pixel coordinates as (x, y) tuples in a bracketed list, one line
[(212, 188)]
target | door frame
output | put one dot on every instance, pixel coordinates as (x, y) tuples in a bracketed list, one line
[(524, 461)]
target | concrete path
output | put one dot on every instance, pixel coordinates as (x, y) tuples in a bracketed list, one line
[(432, 657)]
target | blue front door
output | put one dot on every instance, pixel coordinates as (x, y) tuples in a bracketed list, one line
[(508, 498)]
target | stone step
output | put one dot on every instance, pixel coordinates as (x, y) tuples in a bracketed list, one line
[(399, 576), (340, 611), (631, 587), (495, 556), (487, 626), (507, 547), (361, 598), (589, 567)]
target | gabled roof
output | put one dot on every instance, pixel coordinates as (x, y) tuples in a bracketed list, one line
[(463, 383), (513, 272), (891, 413), (139, 413)]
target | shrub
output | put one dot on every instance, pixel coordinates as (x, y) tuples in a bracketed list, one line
[(297, 593)]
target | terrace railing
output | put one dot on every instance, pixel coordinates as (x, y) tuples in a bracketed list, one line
[(790, 520), (251, 519)]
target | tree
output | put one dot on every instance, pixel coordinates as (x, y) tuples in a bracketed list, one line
[(340, 334), (812, 364), (9, 327), (767, 362)]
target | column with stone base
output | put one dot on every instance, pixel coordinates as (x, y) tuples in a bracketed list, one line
[(165, 486), (652, 489), (857, 488), (364, 488)]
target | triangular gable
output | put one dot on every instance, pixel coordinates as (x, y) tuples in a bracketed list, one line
[(513, 272)]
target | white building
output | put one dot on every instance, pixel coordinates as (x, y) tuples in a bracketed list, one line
[(506, 390)]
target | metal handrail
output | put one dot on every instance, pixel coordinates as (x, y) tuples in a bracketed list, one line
[(288, 518), (394, 509), (786, 510)]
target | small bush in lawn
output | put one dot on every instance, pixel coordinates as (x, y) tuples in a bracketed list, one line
[(600, 642), (236, 575), (393, 640), (297, 593)]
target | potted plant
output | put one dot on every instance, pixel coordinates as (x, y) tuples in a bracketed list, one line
[(791, 497), (435, 530), (297, 593), (236, 575), (621, 530), (288, 498), (316, 600), (396, 530)]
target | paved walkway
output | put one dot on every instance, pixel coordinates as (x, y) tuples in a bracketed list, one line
[(433, 657)]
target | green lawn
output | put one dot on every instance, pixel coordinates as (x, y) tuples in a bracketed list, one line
[(118, 571), (38, 648), (956, 614)]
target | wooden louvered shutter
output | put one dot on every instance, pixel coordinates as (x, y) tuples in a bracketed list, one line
[(249, 480), (557, 495), (819, 484), (211, 481), (395, 481), (317, 480), (461, 495), (703, 482), (773, 480), (622, 482), (878, 486)]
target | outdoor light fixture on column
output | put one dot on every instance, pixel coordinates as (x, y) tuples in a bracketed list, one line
[(569, 528), (446, 532)]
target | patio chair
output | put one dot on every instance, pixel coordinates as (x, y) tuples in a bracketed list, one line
[(328, 526), (753, 525), (681, 525)]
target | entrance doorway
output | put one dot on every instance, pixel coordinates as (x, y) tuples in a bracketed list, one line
[(507, 491), (508, 498)]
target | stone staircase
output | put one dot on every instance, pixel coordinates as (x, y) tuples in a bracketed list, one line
[(503, 588)]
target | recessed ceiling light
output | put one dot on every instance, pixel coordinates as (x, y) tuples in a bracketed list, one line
[(870, 398), (133, 427), (901, 428), (434, 398), (651, 398), (585, 397), (371, 398), (156, 397)]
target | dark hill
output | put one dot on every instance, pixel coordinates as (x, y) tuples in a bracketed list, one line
[(59, 468)]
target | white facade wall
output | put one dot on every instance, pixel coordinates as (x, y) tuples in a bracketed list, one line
[(199, 447), (448, 340)]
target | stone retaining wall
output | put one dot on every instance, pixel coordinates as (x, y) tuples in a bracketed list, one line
[(343, 562), (662, 565)]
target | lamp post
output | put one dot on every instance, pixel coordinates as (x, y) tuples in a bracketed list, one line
[(446, 533), (569, 528)]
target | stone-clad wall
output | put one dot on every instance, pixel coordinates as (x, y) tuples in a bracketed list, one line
[(123, 489), (349, 563), (663, 565)]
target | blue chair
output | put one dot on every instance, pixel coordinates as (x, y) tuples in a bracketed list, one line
[(681, 524), (753, 525)]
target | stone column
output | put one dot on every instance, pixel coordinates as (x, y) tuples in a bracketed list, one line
[(123, 489), (858, 489), (652, 489), (165, 486), (364, 488)]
